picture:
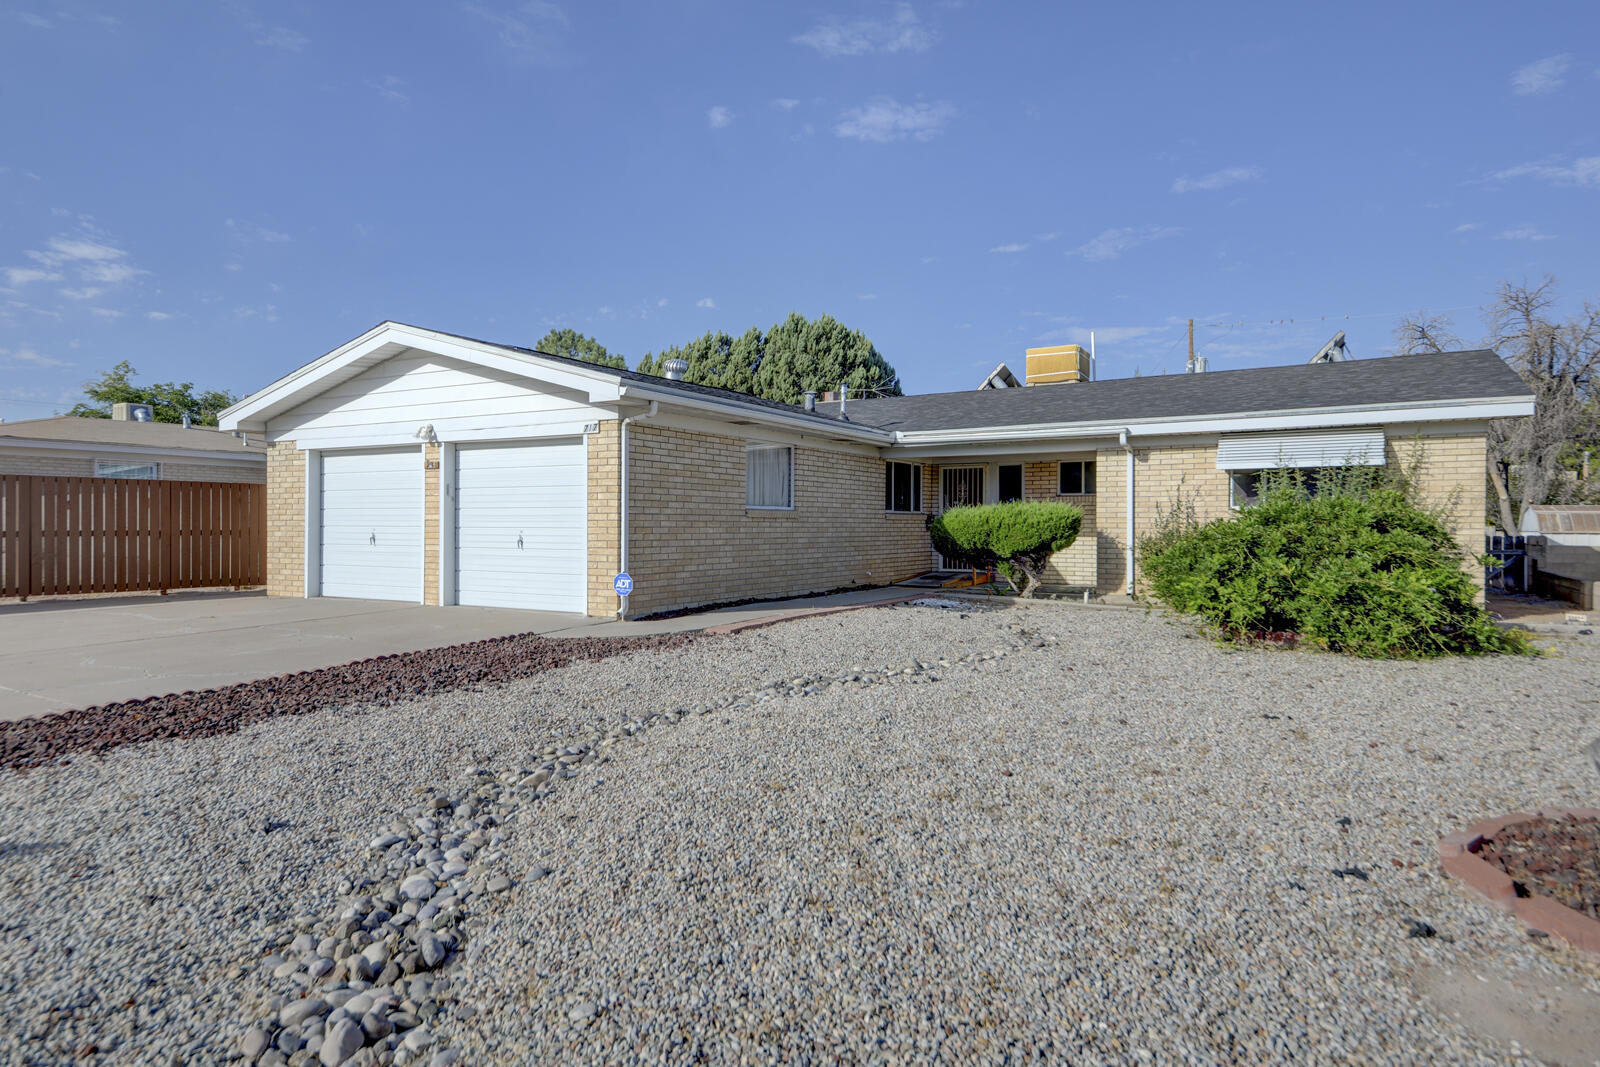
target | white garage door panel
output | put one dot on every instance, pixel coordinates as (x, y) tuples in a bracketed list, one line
[(522, 525), (372, 524)]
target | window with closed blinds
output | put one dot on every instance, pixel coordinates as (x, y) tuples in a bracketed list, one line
[(1300, 448), (769, 476)]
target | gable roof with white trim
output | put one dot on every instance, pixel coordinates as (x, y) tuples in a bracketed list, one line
[(1453, 385)]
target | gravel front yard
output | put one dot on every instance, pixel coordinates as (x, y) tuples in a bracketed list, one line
[(895, 835)]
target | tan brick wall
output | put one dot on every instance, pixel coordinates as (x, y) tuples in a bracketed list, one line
[(1452, 470), (286, 520), (605, 511), (431, 518), (692, 541), (1074, 566), (47, 466), (83, 467)]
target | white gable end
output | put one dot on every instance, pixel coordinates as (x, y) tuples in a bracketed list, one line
[(391, 401)]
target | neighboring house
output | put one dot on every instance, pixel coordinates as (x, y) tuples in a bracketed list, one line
[(410, 464), (127, 447)]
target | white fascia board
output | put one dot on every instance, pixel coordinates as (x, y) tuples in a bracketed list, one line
[(253, 411), (36, 444), (754, 413), (1309, 418)]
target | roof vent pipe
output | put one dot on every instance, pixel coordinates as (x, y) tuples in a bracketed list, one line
[(811, 400), (844, 397), (675, 369), (186, 420)]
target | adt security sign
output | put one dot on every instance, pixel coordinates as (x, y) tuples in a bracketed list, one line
[(623, 583)]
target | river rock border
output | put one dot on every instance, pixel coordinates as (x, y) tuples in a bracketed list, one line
[(1458, 855), (361, 985)]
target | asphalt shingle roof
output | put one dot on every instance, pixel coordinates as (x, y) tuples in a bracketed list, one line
[(1442, 376)]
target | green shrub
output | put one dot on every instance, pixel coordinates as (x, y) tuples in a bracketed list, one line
[(1018, 537), (1356, 569)]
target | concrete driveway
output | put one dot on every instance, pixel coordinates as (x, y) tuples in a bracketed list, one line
[(56, 655), (61, 654)]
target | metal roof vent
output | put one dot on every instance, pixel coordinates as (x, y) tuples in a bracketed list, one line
[(811, 400), (675, 369)]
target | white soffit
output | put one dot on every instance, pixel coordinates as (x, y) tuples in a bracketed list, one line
[(1300, 448)]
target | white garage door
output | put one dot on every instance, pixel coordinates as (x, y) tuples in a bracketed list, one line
[(521, 525), (372, 524)]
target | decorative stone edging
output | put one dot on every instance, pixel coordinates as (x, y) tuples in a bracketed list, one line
[(1458, 855)]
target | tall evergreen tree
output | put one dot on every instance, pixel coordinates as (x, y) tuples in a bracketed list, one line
[(575, 345), (794, 356)]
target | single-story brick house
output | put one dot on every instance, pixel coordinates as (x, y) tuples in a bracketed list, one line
[(410, 464), (126, 446)]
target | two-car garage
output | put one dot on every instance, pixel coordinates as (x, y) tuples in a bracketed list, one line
[(511, 515)]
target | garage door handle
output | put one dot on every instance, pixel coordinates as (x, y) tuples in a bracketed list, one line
[(372, 538), (519, 540)]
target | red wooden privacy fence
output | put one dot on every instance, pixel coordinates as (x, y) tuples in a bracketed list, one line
[(106, 535)]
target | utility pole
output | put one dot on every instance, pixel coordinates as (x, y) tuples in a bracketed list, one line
[(1188, 368)]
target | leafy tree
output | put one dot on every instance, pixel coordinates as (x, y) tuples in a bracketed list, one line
[(795, 355), (1017, 536), (168, 400), (1538, 457), (575, 345)]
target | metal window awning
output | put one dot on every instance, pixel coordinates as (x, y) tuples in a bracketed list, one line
[(1301, 448)]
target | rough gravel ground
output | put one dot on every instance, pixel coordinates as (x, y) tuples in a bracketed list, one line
[(1118, 845)]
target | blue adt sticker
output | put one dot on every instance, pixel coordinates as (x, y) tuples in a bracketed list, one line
[(623, 583)]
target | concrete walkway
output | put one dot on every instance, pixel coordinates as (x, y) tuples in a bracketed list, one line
[(72, 653)]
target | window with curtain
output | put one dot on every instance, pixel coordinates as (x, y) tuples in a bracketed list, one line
[(902, 487), (144, 471), (769, 476)]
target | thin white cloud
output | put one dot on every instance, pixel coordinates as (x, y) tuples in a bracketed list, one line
[(1523, 233), (1010, 248), (390, 88), (1046, 238), (661, 303), (16, 276), (33, 359), (251, 232), (866, 296), (28, 18), (785, 103), (106, 313), (719, 117), (86, 293), (901, 32), (1217, 179), (884, 119), (1584, 171), (1542, 76), (91, 260), (705, 302), (157, 316), (535, 31), (1109, 244), (281, 37), (1467, 227)]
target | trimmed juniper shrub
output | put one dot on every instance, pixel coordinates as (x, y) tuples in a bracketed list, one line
[(1018, 537), (1357, 569)]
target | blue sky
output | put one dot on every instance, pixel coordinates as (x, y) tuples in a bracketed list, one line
[(223, 191)]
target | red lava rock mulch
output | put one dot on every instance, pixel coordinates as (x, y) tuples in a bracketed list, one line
[(381, 680), (1559, 858), (1543, 867)]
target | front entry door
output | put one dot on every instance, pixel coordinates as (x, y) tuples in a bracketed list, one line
[(958, 487)]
